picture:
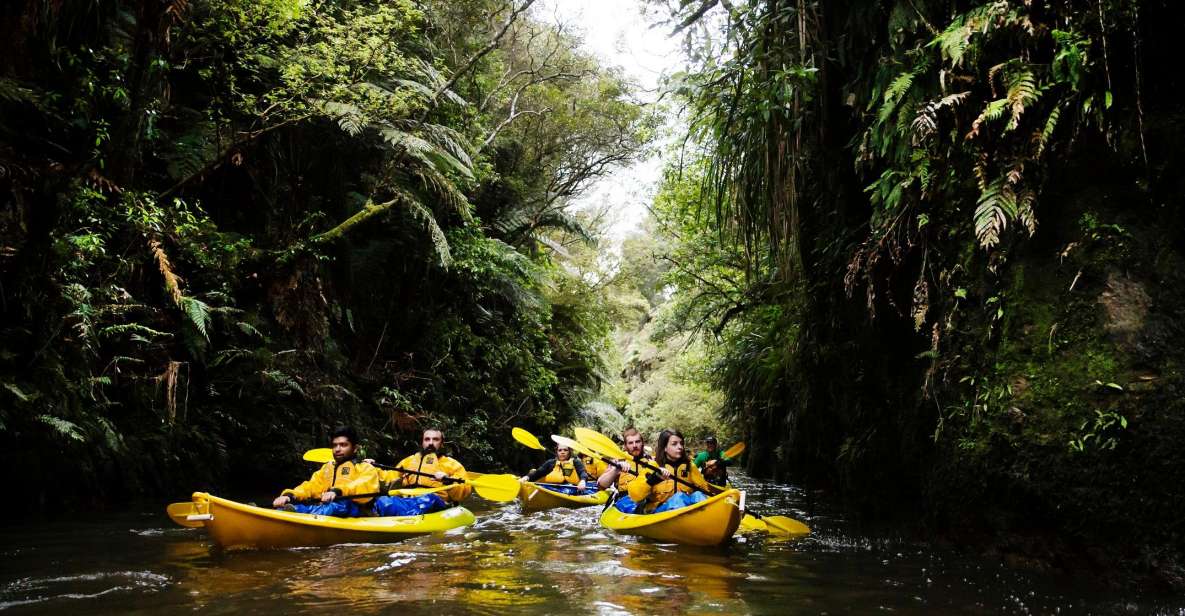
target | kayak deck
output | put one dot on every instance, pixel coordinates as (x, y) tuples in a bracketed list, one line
[(538, 498), (237, 525), (710, 522)]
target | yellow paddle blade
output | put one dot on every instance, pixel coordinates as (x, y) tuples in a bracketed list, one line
[(599, 442), (782, 525), (576, 446), (502, 488), (750, 524), (735, 450), (321, 455), (526, 438), (180, 512)]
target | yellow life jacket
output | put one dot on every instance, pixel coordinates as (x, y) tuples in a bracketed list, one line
[(347, 479), (430, 464), (595, 467), (563, 472), (624, 478), (652, 496)]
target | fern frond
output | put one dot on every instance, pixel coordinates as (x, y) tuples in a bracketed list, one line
[(996, 207), (1022, 93), (440, 188), (1024, 210), (249, 329), (925, 124), (198, 313), (132, 328), (425, 151), (563, 221), (439, 241), (350, 118), (172, 280), (992, 112), (897, 89), (1047, 132), (63, 427)]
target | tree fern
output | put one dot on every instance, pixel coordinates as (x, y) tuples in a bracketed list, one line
[(439, 241), (425, 151)]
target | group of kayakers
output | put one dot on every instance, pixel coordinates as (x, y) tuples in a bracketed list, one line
[(347, 487), (337, 487)]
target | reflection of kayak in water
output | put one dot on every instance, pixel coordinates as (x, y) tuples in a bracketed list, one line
[(537, 498), (709, 522), (235, 525)]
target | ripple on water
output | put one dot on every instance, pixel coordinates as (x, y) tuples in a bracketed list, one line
[(31, 590)]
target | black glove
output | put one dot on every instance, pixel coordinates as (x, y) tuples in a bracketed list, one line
[(654, 478)]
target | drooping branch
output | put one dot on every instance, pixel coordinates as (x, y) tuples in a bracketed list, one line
[(695, 16), (493, 44)]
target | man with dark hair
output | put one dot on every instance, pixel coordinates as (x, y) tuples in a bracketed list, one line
[(431, 469), (712, 463), (334, 482)]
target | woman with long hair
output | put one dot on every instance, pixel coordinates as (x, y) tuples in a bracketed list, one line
[(658, 491), (563, 473)]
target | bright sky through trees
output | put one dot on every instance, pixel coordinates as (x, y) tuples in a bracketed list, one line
[(617, 31)]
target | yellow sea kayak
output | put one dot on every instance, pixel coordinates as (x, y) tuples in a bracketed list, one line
[(537, 498), (235, 525), (711, 522)]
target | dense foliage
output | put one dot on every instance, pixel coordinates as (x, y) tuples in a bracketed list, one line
[(937, 248), (228, 225)]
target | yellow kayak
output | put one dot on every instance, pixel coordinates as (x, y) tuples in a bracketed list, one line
[(711, 522), (235, 525), (536, 498)]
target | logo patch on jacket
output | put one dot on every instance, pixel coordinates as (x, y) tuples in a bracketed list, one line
[(345, 471)]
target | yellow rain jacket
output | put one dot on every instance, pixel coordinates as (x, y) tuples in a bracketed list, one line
[(640, 490), (595, 466), (346, 479), (430, 463)]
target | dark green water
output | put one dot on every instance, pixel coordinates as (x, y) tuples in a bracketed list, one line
[(557, 562)]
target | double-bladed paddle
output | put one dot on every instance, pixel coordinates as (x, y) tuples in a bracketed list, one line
[(501, 488)]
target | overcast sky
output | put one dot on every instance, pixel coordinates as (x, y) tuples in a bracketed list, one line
[(615, 31)]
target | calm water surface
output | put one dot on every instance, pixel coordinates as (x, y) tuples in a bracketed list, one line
[(546, 563)]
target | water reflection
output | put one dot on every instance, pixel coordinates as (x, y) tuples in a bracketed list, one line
[(548, 562)]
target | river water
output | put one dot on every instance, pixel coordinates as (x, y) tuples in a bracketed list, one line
[(554, 562)]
